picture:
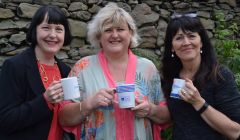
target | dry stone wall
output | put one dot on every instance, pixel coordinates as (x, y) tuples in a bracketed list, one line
[(151, 17)]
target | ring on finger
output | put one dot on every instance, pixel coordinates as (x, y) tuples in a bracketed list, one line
[(184, 92)]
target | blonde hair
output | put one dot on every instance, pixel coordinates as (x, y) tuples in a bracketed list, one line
[(114, 15)]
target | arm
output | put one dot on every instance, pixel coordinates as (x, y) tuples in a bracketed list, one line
[(220, 122), (74, 113), (224, 117), (151, 108), (159, 113), (19, 108)]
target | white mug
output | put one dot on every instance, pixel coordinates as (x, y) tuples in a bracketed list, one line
[(70, 88), (126, 95), (178, 84)]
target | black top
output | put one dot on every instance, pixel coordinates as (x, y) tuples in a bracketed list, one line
[(24, 114), (224, 97)]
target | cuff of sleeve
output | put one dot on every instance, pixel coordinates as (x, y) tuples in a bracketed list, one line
[(50, 106)]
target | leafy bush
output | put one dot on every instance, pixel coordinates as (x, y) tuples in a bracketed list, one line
[(227, 44)]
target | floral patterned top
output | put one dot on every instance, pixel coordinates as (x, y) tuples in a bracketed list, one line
[(100, 124)]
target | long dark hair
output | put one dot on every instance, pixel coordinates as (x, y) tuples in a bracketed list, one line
[(55, 16), (171, 66)]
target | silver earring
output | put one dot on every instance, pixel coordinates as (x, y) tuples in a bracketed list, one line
[(201, 51), (172, 55)]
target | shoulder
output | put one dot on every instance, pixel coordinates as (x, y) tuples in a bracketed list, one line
[(225, 78), (84, 62), (145, 61), (82, 65), (16, 65), (224, 72), (86, 59), (19, 59), (147, 67)]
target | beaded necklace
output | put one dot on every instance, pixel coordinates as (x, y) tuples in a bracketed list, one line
[(48, 73)]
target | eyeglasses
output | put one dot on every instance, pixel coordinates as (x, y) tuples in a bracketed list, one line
[(178, 15)]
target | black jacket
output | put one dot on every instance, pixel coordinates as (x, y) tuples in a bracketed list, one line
[(24, 114)]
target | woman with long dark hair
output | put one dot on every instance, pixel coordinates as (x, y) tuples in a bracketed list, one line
[(209, 104)]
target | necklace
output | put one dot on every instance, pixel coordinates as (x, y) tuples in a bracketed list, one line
[(42, 70), (48, 73)]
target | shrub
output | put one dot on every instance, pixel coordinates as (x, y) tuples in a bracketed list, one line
[(227, 44)]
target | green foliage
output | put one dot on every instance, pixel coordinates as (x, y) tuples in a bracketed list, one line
[(227, 44), (167, 134), (238, 78)]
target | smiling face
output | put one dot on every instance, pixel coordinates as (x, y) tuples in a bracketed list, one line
[(50, 37), (116, 39), (187, 45)]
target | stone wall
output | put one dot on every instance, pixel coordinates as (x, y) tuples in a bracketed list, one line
[(151, 17)]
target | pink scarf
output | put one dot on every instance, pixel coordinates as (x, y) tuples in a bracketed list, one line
[(124, 117)]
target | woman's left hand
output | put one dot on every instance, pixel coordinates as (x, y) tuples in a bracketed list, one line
[(142, 108), (191, 94)]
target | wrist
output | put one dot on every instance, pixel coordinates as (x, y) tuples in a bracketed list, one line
[(198, 104), (89, 103), (150, 112), (50, 106), (84, 106), (45, 97), (203, 108)]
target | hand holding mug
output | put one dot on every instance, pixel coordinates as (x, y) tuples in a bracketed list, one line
[(191, 94), (54, 93), (142, 108), (104, 97)]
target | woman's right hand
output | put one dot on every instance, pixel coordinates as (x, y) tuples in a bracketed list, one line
[(54, 93), (103, 97), (191, 94)]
